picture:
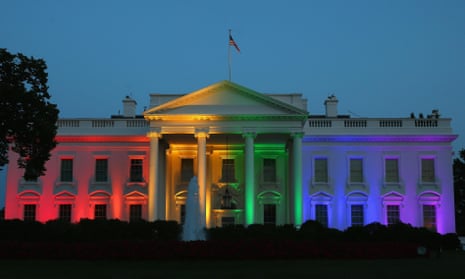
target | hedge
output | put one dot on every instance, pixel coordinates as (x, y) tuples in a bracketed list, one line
[(115, 239)]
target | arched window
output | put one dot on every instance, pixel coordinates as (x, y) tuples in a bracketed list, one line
[(99, 203), (321, 208), (65, 201), (269, 202), (136, 206), (429, 202)]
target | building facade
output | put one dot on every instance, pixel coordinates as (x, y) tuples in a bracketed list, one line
[(258, 158)]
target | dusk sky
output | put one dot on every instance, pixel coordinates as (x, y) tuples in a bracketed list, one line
[(380, 58)]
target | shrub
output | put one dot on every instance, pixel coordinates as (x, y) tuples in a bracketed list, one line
[(450, 241), (311, 230)]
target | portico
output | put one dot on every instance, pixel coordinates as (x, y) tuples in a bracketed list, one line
[(237, 142)]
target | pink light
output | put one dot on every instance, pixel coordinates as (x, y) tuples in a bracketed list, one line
[(106, 139)]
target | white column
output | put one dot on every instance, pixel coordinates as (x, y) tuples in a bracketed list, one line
[(297, 178), (154, 198), (249, 179), (201, 136)]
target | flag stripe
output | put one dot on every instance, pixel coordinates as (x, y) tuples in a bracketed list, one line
[(233, 43)]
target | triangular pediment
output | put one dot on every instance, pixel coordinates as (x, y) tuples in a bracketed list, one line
[(321, 197), (135, 195), (225, 98), (65, 195), (393, 196)]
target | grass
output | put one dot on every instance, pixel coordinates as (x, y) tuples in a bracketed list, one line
[(448, 265)]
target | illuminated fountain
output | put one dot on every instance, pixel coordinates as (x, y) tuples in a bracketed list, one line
[(192, 228)]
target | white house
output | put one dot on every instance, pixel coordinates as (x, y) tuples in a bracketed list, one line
[(259, 158)]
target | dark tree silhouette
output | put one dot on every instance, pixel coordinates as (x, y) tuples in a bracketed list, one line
[(27, 117), (459, 192)]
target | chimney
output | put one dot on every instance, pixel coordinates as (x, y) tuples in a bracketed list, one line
[(331, 106), (129, 107)]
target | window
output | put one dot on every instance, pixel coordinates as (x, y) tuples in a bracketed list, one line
[(321, 214), (66, 171), (64, 212), (100, 212), (429, 202), (135, 174), (227, 200), (182, 213), (356, 170), (321, 170), (393, 214), (269, 214), (135, 212), (29, 213), (427, 170), (227, 171), (101, 170), (392, 170), (356, 213), (187, 169), (429, 217), (269, 170), (227, 221)]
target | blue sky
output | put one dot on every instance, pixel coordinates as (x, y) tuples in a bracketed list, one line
[(380, 58)]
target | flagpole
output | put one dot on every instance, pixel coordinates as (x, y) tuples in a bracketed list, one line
[(229, 57)]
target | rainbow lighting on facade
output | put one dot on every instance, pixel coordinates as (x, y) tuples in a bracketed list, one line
[(259, 158)]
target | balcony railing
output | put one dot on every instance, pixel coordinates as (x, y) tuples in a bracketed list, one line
[(102, 123), (378, 125), (102, 126), (315, 126)]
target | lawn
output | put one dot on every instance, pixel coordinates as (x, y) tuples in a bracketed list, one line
[(448, 265)]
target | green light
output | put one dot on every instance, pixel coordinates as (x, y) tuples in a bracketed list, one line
[(298, 200), (267, 147), (297, 172), (249, 179), (250, 201)]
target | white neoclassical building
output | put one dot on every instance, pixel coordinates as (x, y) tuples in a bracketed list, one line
[(258, 158)]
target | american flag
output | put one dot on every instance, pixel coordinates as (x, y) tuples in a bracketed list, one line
[(233, 43)]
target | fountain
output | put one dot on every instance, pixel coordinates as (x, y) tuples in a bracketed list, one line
[(192, 228)]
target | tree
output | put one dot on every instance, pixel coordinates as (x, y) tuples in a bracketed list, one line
[(27, 117), (459, 192)]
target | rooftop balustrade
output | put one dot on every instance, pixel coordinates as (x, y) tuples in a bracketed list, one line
[(314, 126), (337, 126), (102, 126)]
